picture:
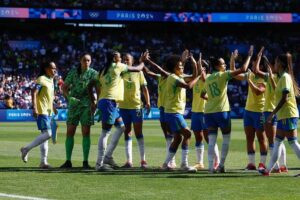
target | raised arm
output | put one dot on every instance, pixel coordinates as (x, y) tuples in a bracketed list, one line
[(233, 58), (257, 71), (188, 85), (158, 68), (195, 71), (150, 73), (201, 70), (243, 69), (272, 78), (139, 67), (184, 56)]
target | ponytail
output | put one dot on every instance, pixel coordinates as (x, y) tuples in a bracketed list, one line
[(109, 60), (290, 71), (285, 61)]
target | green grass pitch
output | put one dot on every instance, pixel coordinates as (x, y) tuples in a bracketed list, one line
[(19, 178)]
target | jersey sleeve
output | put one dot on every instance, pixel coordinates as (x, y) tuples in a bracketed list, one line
[(122, 68), (286, 85), (143, 81), (226, 76), (70, 77), (39, 83)]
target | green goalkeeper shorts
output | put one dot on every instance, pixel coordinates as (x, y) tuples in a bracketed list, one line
[(80, 113)]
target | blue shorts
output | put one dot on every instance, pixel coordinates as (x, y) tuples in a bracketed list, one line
[(218, 119), (131, 115), (44, 122), (162, 114), (274, 120), (254, 119), (109, 110), (176, 122), (288, 124), (198, 123)]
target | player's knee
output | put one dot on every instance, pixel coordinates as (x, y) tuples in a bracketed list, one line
[(48, 132)]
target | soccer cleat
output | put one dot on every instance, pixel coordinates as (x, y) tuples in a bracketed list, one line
[(24, 154), (103, 168), (261, 166), (85, 165), (127, 165), (166, 167), (45, 166), (212, 171), (110, 161), (66, 165), (297, 175), (144, 164), (172, 164), (276, 171), (284, 169), (250, 166), (188, 169), (216, 165), (221, 169), (199, 166), (263, 172)]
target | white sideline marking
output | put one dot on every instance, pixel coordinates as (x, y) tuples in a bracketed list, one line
[(20, 197)]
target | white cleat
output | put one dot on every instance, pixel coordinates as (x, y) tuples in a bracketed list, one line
[(24, 154), (103, 167), (188, 169)]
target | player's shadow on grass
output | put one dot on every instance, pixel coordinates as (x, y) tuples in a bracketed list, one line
[(147, 173)]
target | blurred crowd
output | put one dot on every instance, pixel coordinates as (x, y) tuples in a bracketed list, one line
[(20, 67), (173, 5)]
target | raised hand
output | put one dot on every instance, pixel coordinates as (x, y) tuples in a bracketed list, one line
[(144, 56), (192, 59), (185, 55), (261, 52), (270, 70), (234, 54), (199, 62), (250, 52)]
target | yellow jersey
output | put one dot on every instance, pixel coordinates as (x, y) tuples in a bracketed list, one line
[(289, 109), (111, 83), (255, 103), (216, 89), (270, 94), (198, 104), (161, 93), (175, 98), (133, 81), (45, 95)]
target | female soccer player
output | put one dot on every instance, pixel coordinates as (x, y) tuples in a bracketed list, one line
[(161, 77), (270, 128), (198, 125), (111, 86), (80, 108), (131, 110), (42, 102), (217, 109), (286, 109), (176, 97), (253, 115)]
